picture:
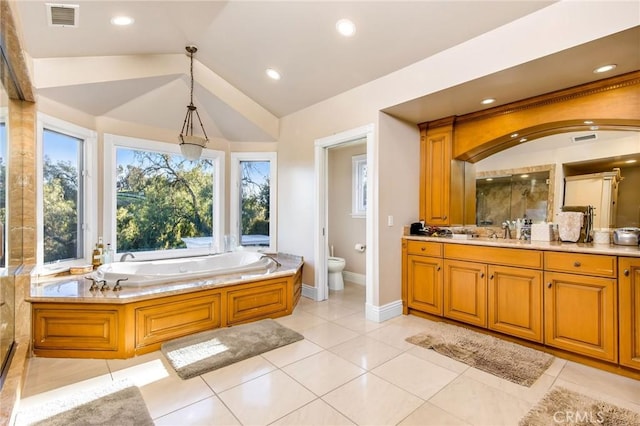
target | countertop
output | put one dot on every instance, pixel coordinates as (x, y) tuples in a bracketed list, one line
[(589, 248), (76, 289)]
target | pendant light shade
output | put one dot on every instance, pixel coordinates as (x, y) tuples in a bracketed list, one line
[(190, 144)]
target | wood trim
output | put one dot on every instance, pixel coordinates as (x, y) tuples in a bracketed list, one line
[(12, 58)]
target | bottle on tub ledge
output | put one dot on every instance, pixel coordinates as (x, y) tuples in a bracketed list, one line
[(108, 254), (96, 257)]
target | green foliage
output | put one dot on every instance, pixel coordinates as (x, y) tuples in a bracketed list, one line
[(256, 190), (161, 199), (60, 194)]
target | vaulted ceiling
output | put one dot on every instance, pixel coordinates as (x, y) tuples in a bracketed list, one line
[(141, 72)]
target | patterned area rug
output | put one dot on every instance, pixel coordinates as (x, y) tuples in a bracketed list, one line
[(562, 406), (199, 353), (510, 361), (117, 404)]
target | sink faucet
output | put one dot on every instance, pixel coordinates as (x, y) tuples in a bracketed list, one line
[(127, 254), (507, 230)]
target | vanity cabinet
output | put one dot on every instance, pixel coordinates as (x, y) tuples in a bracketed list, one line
[(423, 266), (442, 178), (629, 310), (515, 301), (465, 291), (580, 304)]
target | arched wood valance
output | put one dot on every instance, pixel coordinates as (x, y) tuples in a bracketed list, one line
[(609, 104)]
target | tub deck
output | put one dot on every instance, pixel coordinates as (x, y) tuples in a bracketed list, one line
[(69, 320)]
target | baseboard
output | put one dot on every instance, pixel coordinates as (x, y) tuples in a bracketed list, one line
[(309, 291), (353, 277), (384, 312)]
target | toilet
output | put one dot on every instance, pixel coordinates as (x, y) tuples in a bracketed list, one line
[(335, 266)]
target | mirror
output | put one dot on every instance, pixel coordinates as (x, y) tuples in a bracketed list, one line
[(511, 194), (572, 153)]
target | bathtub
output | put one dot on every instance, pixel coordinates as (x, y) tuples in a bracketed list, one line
[(152, 272)]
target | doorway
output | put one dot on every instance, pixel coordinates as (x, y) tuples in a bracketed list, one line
[(321, 251)]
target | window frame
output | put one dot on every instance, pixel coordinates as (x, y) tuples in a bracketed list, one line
[(234, 196), (358, 193), (88, 190), (111, 143)]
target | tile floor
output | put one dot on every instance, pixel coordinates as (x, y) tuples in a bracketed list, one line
[(346, 371)]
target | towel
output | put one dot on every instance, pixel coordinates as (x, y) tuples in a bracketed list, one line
[(569, 225)]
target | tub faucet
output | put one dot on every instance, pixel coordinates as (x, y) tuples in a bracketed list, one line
[(125, 255), (271, 257)]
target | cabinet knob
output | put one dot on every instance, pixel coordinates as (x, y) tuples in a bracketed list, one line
[(444, 218), (491, 277), (438, 268), (626, 272), (577, 264), (423, 248), (481, 274), (549, 285)]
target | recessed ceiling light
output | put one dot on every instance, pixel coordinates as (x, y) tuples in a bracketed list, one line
[(273, 73), (514, 135), (630, 161), (122, 20), (489, 179), (604, 68), (524, 176), (487, 101), (346, 27), (594, 128), (523, 140), (588, 122)]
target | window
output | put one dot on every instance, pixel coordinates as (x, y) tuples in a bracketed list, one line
[(66, 217), (253, 202), (160, 202), (359, 185)]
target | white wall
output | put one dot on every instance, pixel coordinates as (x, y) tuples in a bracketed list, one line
[(557, 27)]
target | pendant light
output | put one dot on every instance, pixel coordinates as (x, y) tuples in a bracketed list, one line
[(190, 144)]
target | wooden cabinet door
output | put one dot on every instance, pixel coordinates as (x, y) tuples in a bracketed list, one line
[(425, 284), (515, 301), (629, 303), (465, 292), (580, 314), (436, 176)]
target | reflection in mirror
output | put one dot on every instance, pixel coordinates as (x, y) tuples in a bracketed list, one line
[(511, 194)]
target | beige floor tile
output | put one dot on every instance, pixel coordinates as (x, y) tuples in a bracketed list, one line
[(232, 375), (172, 393), (329, 334), (369, 400), (366, 352), (317, 413), (430, 415), (438, 359), (300, 321), (605, 382), (44, 374), (323, 372), (480, 404), (266, 398), (144, 370), (531, 394), (331, 311), (121, 364), (395, 335), (358, 323), (36, 399), (415, 375), (288, 354), (210, 411), (556, 367)]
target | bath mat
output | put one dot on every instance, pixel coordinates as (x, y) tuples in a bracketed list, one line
[(562, 406), (117, 404), (516, 363), (200, 353)]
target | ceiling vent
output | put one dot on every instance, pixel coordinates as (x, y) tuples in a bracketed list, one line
[(584, 138), (62, 15)]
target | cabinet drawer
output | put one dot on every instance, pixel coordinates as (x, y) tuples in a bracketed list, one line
[(424, 248), (495, 255), (579, 263)]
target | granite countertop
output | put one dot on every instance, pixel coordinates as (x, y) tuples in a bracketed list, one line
[(588, 248), (75, 288)]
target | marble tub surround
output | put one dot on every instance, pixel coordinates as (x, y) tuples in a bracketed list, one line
[(76, 288)]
